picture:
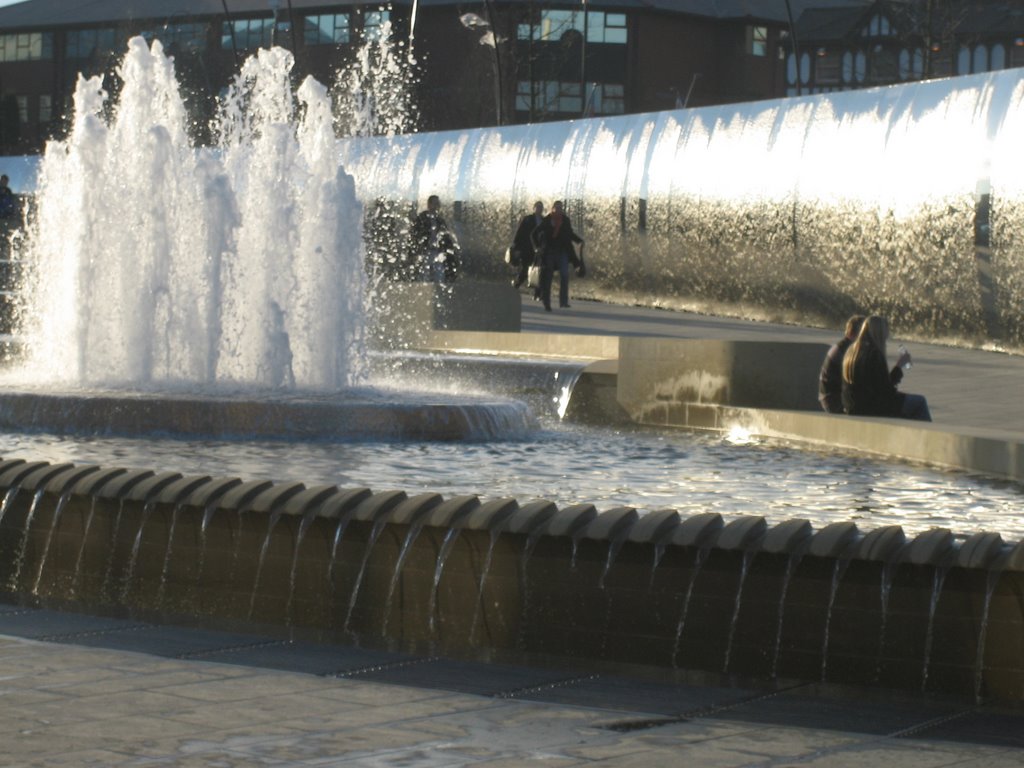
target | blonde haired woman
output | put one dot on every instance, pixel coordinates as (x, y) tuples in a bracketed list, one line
[(869, 386)]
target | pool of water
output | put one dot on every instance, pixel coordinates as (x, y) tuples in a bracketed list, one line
[(649, 470)]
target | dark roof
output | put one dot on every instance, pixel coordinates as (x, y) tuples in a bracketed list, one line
[(36, 14), (824, 24), (980, 18)]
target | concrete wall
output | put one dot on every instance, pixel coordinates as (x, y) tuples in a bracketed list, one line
[(658, 374)]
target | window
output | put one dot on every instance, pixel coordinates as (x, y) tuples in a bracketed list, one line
[(22, 109), (606, 27), (248, 33), (549, 97), (45, 108), (911, 64), (191, 37), (523, 94), (827, 67), (758, 41), (998, 57), (375, 23), (87, 43), (607, 99), (879, 26), (601, 27), (26, 46), (963, 61), (326, 29), (980, 63)]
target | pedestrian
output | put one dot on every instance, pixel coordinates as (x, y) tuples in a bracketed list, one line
[(522, 243), (553, 243), (830, 379), (869, 387), (8, 203), (435, 247)]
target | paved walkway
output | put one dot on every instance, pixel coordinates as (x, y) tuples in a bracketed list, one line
[(80, 690)]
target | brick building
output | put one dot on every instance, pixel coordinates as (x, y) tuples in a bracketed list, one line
[(496, 61)]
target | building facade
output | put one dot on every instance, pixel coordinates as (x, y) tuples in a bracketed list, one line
[(478, 64), (498, 62), (887, 42)]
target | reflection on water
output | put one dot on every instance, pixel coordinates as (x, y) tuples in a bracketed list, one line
[(647, 470)]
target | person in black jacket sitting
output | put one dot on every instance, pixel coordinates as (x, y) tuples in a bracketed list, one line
[(869, 386), (830, 379)]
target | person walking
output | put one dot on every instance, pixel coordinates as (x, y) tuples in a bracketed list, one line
[(522, 243), (869, 387), (553, 240)]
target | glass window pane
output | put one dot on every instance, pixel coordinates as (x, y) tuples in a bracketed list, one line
[(980, 59), (963, 62), (998, 56)]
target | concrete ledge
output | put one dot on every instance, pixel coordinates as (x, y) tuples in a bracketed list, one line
[(987, 452), (415, 309), (564, 346), (655, 373)]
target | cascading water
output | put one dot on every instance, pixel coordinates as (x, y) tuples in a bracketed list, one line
[(157, 263)]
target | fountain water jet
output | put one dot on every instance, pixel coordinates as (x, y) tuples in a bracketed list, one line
[(222, 290)]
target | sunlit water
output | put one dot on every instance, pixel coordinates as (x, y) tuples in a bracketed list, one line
[(691, 473)]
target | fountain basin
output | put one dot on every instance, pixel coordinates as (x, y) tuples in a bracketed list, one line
[(349, 415), (497, 579)]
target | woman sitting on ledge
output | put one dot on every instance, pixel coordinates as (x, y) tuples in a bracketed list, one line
[(869, 387)]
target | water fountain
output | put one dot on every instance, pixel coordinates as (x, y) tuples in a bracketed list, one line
[(217, 319)]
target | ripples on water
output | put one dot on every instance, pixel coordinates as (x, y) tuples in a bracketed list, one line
[(691, 473)]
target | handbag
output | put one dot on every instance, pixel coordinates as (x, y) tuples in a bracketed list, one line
[(533, 276)]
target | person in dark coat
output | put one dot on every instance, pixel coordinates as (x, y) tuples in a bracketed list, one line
[(554, 240), (522, 243), (869, 386), (434, 245), (830, 379)]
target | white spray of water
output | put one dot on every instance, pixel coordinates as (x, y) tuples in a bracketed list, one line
[(374, 91), (155, 263)]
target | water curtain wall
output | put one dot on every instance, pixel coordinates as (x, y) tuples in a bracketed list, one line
[(907, 201), (499, 580), (158, 263)]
